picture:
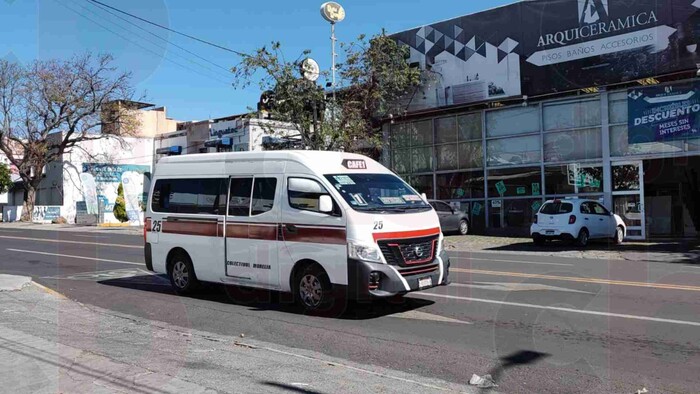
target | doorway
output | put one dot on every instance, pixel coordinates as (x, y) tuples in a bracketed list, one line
[(672, 192), (628, 196)]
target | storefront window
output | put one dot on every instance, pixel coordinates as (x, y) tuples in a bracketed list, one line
[(477, 215), (512, 121), (573, 145), (471, 155), (625, 177), (514, 182), (447, 156), (469, 126), (422, 133), (618, 107), (573, 179), (514, 150), (459, 185), (401, 159), (422, 159), (445, 130), (400, 136), (571, 115), (512, 216), (620, 146), (422, 184)]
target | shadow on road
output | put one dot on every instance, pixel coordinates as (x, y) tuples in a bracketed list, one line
[(289, 388), (265, 300), (689, 251), (523, 357)]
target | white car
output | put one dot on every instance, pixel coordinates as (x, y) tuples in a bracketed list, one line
[(576, 220)]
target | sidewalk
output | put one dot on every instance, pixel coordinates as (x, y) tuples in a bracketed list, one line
[(71, 227), (50, 344), (681, 251)]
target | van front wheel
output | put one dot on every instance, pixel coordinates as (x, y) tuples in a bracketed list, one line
[(313, 289)]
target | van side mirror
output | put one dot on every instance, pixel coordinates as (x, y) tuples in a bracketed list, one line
[(424, 196), (325, 203)]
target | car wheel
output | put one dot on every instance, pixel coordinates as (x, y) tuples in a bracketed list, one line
[(463, 227), (313, 289), (582, 239), (538, 240), (619, 235), (181, 273)]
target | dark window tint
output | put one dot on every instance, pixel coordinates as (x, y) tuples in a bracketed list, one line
[(263, 195), (239, 202), (193, 196), (556, 208), (442, 207)]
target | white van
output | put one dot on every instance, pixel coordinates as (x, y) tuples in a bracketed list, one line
[(316, 224)]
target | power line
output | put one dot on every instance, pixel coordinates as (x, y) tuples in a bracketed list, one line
[(159, 37), (171, 30), (139, 45)]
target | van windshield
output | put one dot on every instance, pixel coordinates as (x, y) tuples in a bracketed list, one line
[(377, 193)]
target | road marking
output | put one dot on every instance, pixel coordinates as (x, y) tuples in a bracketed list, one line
[(511, 261), (514, 286), (418, 315), (562, 309), (75, 257), (580, 280), (63, 241)]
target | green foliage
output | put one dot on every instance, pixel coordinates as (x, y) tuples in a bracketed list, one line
[(120, 205), (372, 81), (5, 179)]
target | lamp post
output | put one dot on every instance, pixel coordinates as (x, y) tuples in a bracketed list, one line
[(333, 13)]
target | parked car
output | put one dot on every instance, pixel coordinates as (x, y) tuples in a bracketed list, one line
[(576, 220), (451, 220)]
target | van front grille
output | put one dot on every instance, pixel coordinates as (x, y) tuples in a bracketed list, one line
[(409, 252)]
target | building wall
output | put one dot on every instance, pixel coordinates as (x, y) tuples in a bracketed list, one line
[(154, 122), (501, 164)]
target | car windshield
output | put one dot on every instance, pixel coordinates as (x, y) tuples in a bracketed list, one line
[(557, 208), (377, 192)]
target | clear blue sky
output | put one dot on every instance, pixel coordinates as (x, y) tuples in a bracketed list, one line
[(31, 29)]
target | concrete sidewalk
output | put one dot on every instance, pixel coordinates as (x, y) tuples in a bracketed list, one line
[(50, 344), (675, 251), (132, 230)]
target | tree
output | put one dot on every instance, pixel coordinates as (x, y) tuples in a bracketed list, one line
[(120, 205), (372, 79), (5, 179), (49, 107)]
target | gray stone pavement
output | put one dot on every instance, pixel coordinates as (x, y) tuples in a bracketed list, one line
[(687, 251), (50, 344)]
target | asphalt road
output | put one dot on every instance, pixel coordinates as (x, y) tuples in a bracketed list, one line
[(538, 324)]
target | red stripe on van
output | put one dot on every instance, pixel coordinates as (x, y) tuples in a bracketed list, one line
[(317, 235), (407, 234), (204, 229)]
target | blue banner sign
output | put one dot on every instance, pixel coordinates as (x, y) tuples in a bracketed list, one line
[(659, 113)]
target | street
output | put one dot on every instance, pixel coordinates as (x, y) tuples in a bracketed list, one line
[(535, 323)]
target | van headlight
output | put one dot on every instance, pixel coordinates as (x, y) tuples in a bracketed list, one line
[(364, 252)]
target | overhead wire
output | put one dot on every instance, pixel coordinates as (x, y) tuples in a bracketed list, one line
[(139, 45), (169, 29), (105, 9)]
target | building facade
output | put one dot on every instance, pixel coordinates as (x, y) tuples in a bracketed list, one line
[(596, 100)]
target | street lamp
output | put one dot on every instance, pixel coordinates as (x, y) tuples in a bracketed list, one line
[(333, 13)]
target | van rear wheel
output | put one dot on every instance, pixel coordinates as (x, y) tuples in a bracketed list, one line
[(181, 273), (313, 289)]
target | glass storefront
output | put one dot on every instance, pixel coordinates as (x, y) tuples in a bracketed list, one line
[(500, 164)]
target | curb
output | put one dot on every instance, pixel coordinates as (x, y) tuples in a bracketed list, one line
[(49, 291)]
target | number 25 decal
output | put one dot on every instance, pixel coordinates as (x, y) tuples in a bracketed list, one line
[(156, 227), (378, 224)]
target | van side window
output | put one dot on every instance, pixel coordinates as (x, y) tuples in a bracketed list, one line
[(239, 201), (263, 195), (191, 196), (304, 194)]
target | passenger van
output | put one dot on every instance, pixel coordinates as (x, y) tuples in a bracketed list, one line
[(316, 224)]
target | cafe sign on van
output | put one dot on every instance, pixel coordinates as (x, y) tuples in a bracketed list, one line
[(354, 164)]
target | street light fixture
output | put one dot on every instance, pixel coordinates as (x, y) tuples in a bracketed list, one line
[(333, 13)]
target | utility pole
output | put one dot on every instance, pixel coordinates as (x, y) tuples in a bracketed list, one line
[(333, 13)]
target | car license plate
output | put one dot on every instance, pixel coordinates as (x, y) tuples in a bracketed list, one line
[(425, 282), (549, 232)]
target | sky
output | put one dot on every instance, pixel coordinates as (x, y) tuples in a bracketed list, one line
[(192, 88)]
